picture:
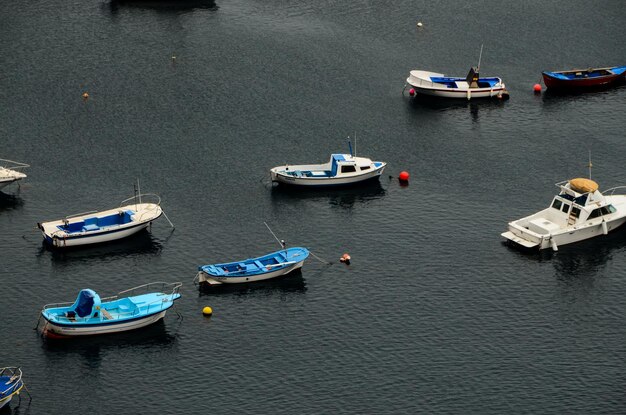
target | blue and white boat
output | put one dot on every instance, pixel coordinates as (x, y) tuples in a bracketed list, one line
[(262, 268), (9, 172), (10, 384), (439, 85), (342, 169), (131, 309), (130, 217)]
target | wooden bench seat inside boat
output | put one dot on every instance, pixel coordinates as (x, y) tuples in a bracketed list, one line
[(106, 314)]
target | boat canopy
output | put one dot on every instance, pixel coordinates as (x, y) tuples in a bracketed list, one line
[(85, 302), (582, 185)]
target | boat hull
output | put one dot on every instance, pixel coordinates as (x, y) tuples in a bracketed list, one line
[(326, 181), (208, 280), (463, 93), (57, 330), (61, 242), (581, 83)]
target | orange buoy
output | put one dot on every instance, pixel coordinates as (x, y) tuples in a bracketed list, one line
[(404, 176), (85, 96), (537, 88), (345, 258)]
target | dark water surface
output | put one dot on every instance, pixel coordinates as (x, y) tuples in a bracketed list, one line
[(435, 314)]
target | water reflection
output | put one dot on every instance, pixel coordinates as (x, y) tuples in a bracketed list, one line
[(345, 197), (10, 201), (141, 243), (556, 98), (289, 284), (429, 105), (162, 5), (90, 348), (578, 260)]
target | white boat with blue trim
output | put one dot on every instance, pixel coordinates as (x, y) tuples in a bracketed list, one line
[(130, 309), (341, 169), (269, 266), (9, 172), (578, 212), (471, 87), (11, 384), (130, 217)]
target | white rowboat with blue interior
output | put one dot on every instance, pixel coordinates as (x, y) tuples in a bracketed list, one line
[(272, 265), (472, 86), (130, 217), (341, 169), (578, 212), (9, 172), (10, 384), (131, 309)]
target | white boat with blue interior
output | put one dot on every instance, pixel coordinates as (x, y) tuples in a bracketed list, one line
[(128, 310), (130, 217), (578, 212)]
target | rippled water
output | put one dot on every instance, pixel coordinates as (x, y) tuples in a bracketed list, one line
[(198, 99)]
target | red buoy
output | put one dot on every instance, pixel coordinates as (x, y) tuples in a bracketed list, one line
[(404, 176), (537, 88), (411, 92)]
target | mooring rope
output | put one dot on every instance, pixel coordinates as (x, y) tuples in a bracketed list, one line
[(320, 259)]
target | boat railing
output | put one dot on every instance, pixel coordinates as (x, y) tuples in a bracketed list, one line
[(68, 217), (162, 287), (57, 305), (15, 380), (137, 199), (612, 190), (13, 165)]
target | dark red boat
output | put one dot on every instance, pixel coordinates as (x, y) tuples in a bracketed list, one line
[(584, 78)]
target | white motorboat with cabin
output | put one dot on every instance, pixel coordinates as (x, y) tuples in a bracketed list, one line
[(341, 169), (9, 172), (580, 211)]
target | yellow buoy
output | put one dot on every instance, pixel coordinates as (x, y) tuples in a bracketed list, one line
[(207, 311)]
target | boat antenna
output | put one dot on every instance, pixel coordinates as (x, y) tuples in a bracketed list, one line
[(479, 58), (350, 146), (355, 144), (138, 191), (590, 165), (281, 242)]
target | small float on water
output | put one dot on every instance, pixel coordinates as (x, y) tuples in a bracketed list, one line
[(272, 265), (578, 212), (128, 310), (10, 384), (9, 172), (580, 79), (341, 170), (130, 217)]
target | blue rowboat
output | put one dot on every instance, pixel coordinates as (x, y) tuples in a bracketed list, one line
[(128, 310), (132, 216), (10, 384), (262, 268)]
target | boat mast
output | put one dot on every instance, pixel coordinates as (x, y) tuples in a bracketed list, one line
[(281, 242), (590, 165), (479, 58)]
